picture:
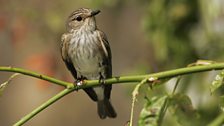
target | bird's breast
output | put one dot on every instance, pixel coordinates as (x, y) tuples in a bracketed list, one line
[(85, 53)]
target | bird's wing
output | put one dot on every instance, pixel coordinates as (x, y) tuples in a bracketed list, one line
[(105, 44), (106, 48), (66, 37)]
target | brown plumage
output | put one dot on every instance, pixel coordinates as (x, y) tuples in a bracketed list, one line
[(86, 53)]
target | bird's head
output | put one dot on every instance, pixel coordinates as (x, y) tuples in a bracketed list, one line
[(83, 19)]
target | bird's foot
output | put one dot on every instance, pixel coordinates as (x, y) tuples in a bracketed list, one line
[(102, 81), (79, 82)]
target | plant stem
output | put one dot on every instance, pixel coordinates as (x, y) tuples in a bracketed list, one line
[(122, 79), (36, 75), (134, 95), (218, 121), (91, 83), (159, 75), (43, 106)]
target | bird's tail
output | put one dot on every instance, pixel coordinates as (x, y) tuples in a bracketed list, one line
[(105, 109)]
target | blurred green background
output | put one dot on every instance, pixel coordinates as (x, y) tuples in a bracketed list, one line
[(145, 36)]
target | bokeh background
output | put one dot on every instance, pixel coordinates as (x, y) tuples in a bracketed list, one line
[(145, 36)]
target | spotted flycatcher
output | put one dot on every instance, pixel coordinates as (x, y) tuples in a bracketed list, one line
[(86, 53)]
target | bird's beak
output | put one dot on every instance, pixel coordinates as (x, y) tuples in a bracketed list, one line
[(95, 12)]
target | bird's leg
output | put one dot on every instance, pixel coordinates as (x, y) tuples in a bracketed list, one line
[(102, 80)]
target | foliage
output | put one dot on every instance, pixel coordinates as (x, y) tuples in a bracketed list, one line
[(180, 108)]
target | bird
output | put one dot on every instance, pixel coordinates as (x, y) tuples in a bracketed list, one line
[(87, 55)]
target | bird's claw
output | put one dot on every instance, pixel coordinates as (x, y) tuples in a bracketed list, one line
[(102, 81), (79, 82)]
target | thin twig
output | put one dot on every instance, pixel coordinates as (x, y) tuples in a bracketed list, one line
[(134, 95), (43, 106), (176, 84)]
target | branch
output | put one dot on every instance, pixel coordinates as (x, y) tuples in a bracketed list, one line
[(36, 75), (91, 83), (122, 79), (43, 106)]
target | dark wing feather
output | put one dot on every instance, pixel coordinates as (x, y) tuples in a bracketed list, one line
[(108, 58), (64, 53)]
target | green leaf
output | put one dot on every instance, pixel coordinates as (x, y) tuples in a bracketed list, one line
[(153, 111), (181, 107), (217, 83)]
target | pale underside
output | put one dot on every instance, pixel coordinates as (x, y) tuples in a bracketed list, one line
[(89, 64)]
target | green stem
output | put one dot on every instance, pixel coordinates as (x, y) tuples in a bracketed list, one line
[(134, 95), (36, 75), (90, 83), (218, 121), (123, 79), (43, 106), (160, 75)]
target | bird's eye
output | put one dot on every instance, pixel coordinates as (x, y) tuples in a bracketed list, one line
[(79, 18)]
